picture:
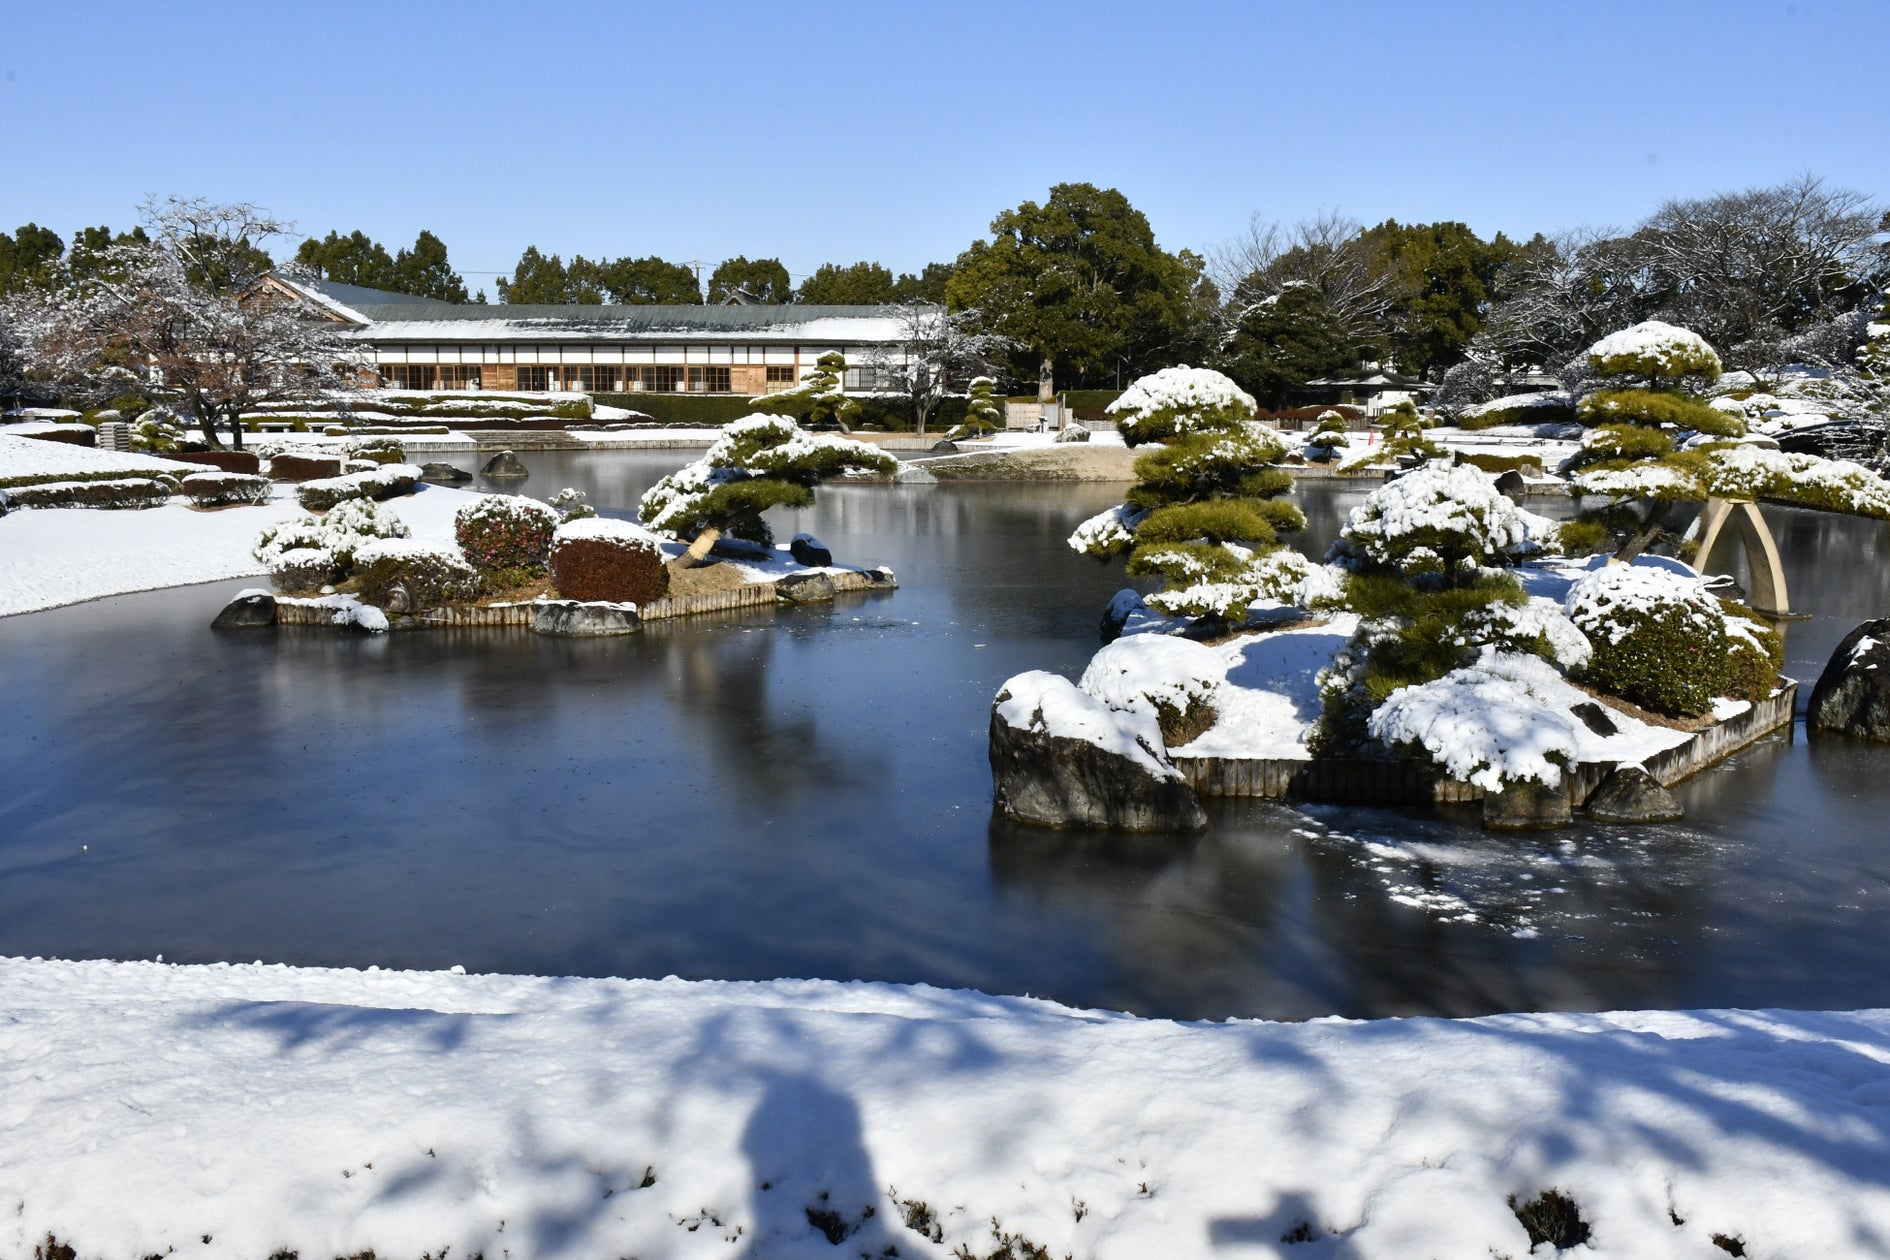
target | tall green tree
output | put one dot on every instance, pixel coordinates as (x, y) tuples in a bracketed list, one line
[(28, 258), (862, 284), (763, 279), (1442, 280), (352, 259), (539, 280), (425, 272), (1081, 285), (650, 281), (928, 286), (1285, 340)]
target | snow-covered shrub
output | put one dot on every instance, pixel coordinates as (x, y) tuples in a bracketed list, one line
[(1838, 485), (1554, 407), (220, 489), (759, 462), (1656, 409), (111, 493), (357, 521), (506, 531), (317, 550), (430, 574), (1329, 431), (305, 569), (1170, 679), (1180, 400), (1755, 653), (602, 559), (1655, 351), (1659, 637), (1227, 588), (571, 504), (384, 482), (819, 400), (1534, 628), (380, 450), (158, 429), (1491, 723), (1436, 519)]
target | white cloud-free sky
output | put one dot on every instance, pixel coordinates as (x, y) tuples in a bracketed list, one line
[(894, 131)]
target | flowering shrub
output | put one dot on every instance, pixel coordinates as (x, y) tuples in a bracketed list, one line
[(506, 531), (429, 574), (1659, 637), (597, 558)]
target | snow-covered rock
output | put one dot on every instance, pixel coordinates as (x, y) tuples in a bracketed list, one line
[(1853, 693)]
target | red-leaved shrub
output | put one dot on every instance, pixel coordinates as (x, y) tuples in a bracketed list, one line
[(603, 559), (506, 531)]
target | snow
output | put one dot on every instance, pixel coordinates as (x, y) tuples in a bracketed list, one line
[(53, 557), (1108, 532), (1196, 398), (1553, 400), (24, 460), (148, 1107), (1751, 472), (1138, 673), (1050, 704), (1267, 692), (1490, 723), (1458, 501), (1673, 349), (1640, 481), (1596, 600), (606, 529)]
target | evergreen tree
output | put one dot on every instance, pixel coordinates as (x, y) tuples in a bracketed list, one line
[(28, 258), (1080, 284), (541, 281), (424, 271), (1285, 340), (928, 286), (819, 400), (650, 281), (764, 280), (862, 284), (983, 412), (759, 462), (352, 259), (1443, 278)]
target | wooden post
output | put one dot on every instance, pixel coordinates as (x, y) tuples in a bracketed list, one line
[(1768, 593)]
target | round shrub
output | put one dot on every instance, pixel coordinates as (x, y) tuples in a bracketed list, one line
[(1438, 519), (304, 568), (1659, 637), (222, 489), (1654, 350), (429, 573), (1180, 400), (380, 450), (506, 531), (597, 558)]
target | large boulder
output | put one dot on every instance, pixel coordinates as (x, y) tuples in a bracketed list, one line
[(249, 610), (571, 619), (1075, 433), (804, 588), (444, 474), (806, 549), (1061, 758), (1631, 795), (1853, 692), (506, 465)]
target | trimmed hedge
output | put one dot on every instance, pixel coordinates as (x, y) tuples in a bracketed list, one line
[(1496, 464), (69, 435), (712, 411), (304, 467), (385, 482), (430, 574), (222, 489), (599, 567), (1662, 659), (506, 531), (123, 492)]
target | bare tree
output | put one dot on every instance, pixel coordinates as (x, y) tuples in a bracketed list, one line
[(1328, 251), (181, 314), (937, 352)]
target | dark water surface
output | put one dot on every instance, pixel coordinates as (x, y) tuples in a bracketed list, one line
[(805, 793)]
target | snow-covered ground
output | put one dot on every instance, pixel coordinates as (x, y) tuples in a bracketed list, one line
[(236, 1111), (56, 556), (23, 459)]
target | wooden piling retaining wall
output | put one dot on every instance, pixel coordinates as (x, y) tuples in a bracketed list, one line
[(1385, 781)]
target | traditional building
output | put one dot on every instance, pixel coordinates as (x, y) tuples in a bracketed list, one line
[(422, 343), (1375, 389)]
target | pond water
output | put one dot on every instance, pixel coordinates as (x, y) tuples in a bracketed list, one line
[(805, 793)]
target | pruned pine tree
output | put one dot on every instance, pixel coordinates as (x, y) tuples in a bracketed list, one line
[(820, 399), (1205, 513), (759, 462), (178, 314), (1652, 375), (983, 412)]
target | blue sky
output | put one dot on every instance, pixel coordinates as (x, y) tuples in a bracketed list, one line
[(894, 131)]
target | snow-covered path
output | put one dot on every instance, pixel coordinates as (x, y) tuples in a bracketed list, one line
[(232, 1111)]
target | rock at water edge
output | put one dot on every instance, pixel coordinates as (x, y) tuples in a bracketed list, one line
[(1526, 805), (570, 619), (804, 588), (1853, 693), (247, 611), (1075, 433), (1631, 795), (1061, 758), (806, 549), (945, 446), (447, 474), (505, 464)]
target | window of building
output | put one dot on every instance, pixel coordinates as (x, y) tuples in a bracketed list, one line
[(413, 376), (668, 378), (537, 377), (780, 375), (599, 380), (863, 378), (459, 376), (708, 380)]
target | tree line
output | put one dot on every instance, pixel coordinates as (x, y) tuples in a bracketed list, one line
[(1076, 291)]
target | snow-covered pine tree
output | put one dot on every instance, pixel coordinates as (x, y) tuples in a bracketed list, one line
[(983, 413), (1205, 513), (1652, 376), (818, 400), (759, 462)]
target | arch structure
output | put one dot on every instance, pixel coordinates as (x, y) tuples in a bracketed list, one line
[(1768, 593)]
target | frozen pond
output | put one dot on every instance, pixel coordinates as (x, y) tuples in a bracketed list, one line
[(805, 793)]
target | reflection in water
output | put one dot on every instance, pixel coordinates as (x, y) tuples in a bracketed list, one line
[(805, 792)]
